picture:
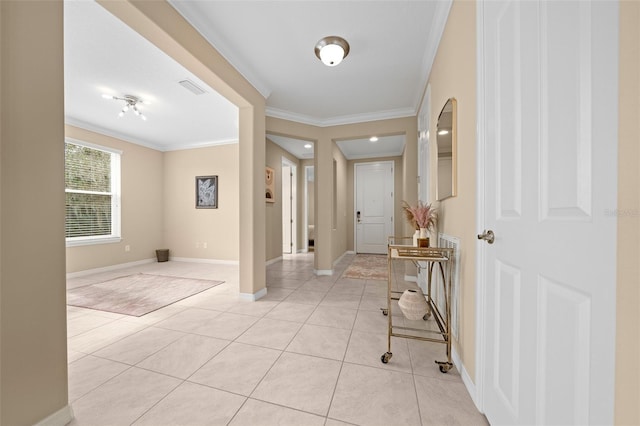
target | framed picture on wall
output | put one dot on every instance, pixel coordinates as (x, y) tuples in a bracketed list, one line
[(206, 192), (270, 182)]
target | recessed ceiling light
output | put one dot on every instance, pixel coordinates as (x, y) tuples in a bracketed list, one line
[(308, 145), (373, 139), (443, 132)]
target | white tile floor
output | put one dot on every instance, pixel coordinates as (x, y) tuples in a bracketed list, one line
[(306, 354)]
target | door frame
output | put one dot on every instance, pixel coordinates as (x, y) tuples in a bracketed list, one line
[(305, 209), (355, 197), (477, 394), (294, 202)]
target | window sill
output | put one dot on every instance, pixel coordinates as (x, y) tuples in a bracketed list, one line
[(92, 241)]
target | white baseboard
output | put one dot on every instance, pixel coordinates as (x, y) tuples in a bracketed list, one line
[(272, 261), (335, 262), (60, 418), (350, 252), (109, 268), (252, 297), (200, 260), (411, 278), (466, 379), (323, 272)]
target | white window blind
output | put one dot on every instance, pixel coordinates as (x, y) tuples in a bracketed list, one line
[(92, 177)]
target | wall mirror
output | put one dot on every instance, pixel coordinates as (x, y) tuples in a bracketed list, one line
[(446, 147)]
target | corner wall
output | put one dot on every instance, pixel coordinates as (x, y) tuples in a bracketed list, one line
[(273, 217), (453, 75), (33, 329), (627, 371), (186, 229)]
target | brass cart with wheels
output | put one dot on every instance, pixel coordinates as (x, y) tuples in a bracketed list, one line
[(430, 259)]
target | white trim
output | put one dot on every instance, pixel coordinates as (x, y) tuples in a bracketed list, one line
[(411, 278), (108, 268), (272, 261), (60, 418), (90, 241), (140, 142), (346, 119), (349, 252), (252, 297), (323, 272), (480, 206), (466, 379), (201, 260)]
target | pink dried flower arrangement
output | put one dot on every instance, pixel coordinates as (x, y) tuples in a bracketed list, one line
[(420, 216)]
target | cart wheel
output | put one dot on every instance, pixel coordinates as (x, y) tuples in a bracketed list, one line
[(444, 366), (386, 357), (385, 312)]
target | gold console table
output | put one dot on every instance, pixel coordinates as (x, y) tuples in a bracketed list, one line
[(431, 259)]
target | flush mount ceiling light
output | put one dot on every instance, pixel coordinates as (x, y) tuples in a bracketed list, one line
[(332, 50), (373, 139), (308, 146), (130, 103)]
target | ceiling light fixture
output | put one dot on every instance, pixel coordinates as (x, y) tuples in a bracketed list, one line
[(443, 132), (131, 102), (373, 139), (332, 50), (308, 145)]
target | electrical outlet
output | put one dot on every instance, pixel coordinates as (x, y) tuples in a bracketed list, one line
[(127, 248), (204, 245)]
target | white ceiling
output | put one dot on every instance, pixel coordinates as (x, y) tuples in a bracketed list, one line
[(271, 43)]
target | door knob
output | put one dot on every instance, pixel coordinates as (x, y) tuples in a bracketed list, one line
[(488, 236)]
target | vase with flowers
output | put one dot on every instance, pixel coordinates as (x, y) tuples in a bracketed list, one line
[(422, 217)]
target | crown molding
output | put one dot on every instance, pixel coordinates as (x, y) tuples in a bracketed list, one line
[(337, 121)]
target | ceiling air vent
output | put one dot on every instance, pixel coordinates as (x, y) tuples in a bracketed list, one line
[(192, 87)]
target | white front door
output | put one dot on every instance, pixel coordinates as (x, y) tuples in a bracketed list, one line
[(373, 206), (548, 147)]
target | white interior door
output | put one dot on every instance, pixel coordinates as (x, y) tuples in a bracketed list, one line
[(548, 92), (373, 206), (287, 218)]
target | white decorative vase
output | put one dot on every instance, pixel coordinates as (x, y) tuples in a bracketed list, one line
[(416, 235), (413, 305), (423, 233)]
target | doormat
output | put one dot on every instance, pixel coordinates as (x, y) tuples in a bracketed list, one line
[(368, 267), (136, 294)]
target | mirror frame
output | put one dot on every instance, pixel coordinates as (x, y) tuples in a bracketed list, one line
[(454, 151)]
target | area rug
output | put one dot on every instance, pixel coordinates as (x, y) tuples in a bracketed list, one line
[(136, 294), (368, 267)]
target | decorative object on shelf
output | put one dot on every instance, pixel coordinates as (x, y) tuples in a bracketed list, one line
[(270, 182), (206, 192), (413, 305), (423, 218)]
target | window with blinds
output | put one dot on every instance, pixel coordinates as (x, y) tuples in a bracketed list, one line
[(92, 176)]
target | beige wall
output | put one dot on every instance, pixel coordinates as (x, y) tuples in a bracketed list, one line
[(142, 206), (273, 217), (33, 336), (339, 229), (627, 410), (186, 229), (454, 75), (397, 191)]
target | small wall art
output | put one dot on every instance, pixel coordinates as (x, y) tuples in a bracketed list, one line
[(270, 182), (206, 192)]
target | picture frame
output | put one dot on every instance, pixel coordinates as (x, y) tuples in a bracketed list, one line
[(270, 185), (207, 192)]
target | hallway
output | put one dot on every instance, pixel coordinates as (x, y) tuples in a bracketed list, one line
[(306, 354)]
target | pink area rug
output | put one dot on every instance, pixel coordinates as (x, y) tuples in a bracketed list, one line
[(136, 294), (368, 267)]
